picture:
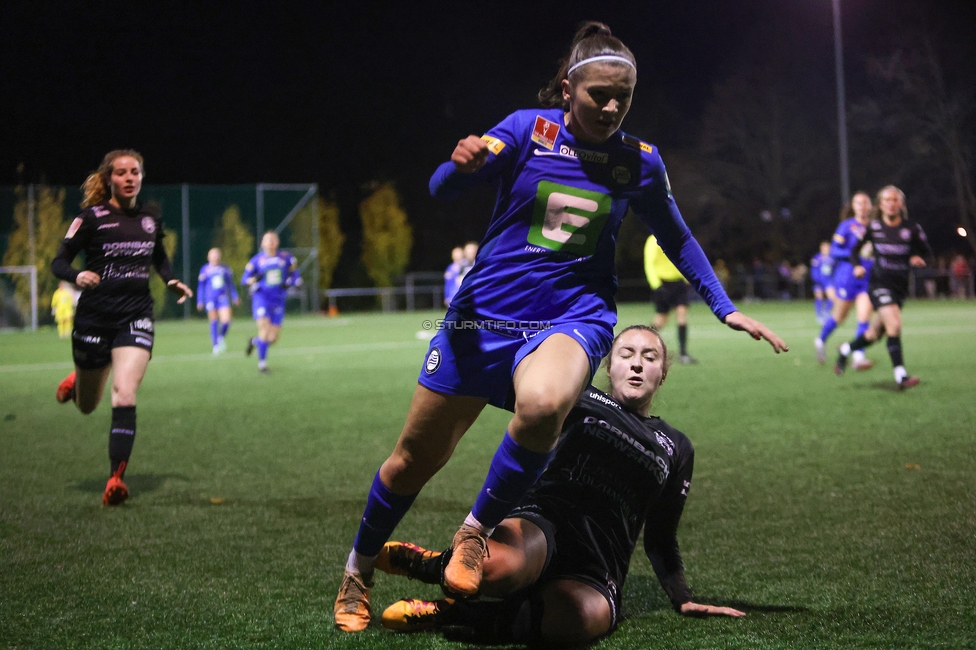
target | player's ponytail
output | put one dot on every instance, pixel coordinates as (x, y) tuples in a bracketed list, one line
[(592, 39), (96, 187)]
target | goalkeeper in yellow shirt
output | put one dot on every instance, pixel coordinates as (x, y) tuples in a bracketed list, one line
[(670, 292), (63, 308)]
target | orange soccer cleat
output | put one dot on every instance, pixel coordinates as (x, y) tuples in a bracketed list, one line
[(462, 575), (66, 389), (410, 560), (412, 615), (116, 490), (352, 611)]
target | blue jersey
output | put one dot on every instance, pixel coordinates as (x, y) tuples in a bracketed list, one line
[(215, 283), (845, 238), (548, 253), (274, 273), (821, 269)]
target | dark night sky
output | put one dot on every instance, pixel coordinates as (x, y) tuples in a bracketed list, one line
[(342, 93)]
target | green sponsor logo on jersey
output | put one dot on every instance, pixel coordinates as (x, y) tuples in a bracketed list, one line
[(568, 219), (272, 277)]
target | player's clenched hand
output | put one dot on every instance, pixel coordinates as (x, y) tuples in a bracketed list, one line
[(916, 261), (695, 609), (756, 330), (859, 271), (470, 154), (87, 279), (179, 289)]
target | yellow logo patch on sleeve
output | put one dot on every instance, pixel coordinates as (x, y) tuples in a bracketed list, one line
[(494, 144)]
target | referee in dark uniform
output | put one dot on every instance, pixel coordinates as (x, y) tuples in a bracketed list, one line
[(559, 560), (899, 244), (113, 329)]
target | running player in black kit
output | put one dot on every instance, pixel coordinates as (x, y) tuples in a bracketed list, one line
[(559, 560), (113, 328), (899, 244)]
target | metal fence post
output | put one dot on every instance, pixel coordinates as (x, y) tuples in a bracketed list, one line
[(185, 191)]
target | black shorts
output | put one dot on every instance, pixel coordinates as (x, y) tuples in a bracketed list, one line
[(670, 295), (570, 555), (886, 295), (92, 347)]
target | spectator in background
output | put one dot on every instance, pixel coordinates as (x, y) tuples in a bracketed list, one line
[(452, 276), (470, 253), (722, 273), (959, 276), (670, 292), (63, 308)]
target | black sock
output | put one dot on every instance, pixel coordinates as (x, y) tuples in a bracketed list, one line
[(683, 339), (516, 619), (122, 436), (894, 350), (860, 343)]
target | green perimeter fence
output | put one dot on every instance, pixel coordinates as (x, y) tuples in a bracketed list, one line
[(193, 215)]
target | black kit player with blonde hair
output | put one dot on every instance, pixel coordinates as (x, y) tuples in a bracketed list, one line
[(114, 329)]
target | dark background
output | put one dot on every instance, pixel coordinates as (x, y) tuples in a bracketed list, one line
[(343, 94)]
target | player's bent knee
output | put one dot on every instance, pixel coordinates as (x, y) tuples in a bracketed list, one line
[(575, 619)]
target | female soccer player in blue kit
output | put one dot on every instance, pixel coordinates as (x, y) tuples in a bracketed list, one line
[(268, 276), (216, 291), (535, 315), (848, 289)]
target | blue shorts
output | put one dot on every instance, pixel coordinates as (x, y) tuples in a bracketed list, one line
[(273, 310), (846, 286), (481, 362), (218, 303)]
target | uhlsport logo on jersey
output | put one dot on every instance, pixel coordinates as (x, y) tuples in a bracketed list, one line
[(544, 132), (433, 361), (149, 225), (568, 219)]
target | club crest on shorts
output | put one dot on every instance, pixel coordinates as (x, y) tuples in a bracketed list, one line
[(149, 225), (433, 361)]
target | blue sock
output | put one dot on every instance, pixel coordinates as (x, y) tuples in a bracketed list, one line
[(818, 305), (828, 305), (862, 327), (262, 348), (513, 470), (223, 329), (213, 331), (828, 328), (384, 510)]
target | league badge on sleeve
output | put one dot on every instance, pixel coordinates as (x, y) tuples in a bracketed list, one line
[(494, 144), (544, 132)]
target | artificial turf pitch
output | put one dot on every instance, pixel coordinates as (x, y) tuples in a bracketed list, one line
[(837, 512)]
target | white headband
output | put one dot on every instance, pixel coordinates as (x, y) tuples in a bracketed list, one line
[(602, 57)]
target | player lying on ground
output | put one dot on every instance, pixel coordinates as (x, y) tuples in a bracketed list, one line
[(559, 561)]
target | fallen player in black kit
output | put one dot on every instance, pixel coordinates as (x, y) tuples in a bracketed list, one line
[(559, 561)]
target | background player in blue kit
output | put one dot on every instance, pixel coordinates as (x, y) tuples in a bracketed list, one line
[(821, 270), (215, 292), (560, 559), (268, 276), (854, 222), (535, 315), (452, 276)]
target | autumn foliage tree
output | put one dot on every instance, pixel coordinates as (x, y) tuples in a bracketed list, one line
[(235, 241), (50, 227), (331, 237), (387, 235)]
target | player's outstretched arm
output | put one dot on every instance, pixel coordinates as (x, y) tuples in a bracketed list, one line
[(697, 609), (742, 323)]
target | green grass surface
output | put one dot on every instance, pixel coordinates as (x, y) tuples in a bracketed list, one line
[(802, 511)]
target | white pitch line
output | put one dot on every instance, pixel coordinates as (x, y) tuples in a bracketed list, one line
[(278, 352)]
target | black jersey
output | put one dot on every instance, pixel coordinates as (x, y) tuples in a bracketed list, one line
[(893, 246), (120, 246), (619, 472)]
